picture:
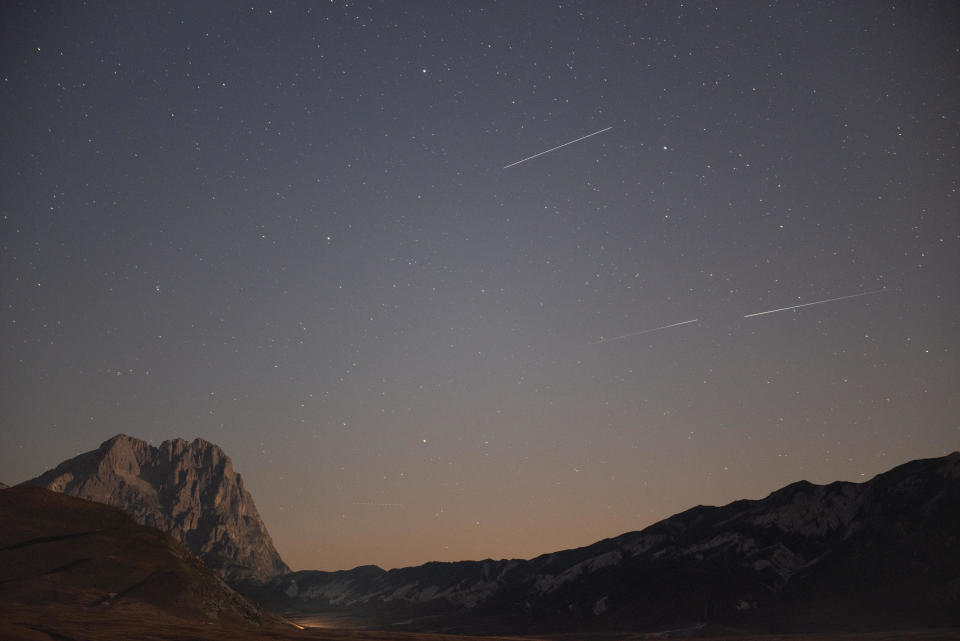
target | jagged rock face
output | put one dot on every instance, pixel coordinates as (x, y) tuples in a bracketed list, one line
[(883, 552), (187, 489)]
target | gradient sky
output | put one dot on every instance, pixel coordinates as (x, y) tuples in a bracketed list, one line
[(287, 228)]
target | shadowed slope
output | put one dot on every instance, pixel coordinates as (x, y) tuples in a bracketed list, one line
[(70, 554)]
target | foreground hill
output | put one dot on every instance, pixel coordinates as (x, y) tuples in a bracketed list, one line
[(74, 570), (875, 555), (187, 489), (64, 559)]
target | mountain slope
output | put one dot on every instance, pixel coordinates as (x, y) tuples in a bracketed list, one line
[(63, 557), (187, 489), (73, 570), (877, 554)]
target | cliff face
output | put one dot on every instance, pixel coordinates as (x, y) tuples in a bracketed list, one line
[(187, 489)]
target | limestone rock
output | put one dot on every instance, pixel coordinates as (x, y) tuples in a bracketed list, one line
[(188, 489)]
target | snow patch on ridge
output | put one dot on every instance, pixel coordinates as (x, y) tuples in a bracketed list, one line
[(548, 582)]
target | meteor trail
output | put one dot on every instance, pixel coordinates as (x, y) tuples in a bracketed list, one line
[(631, 334), (378, 504), (607, 340), (818, 302), (557, 147)]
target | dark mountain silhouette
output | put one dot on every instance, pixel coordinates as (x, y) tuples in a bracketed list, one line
[(65, 561), (187, 489), (874, 555)]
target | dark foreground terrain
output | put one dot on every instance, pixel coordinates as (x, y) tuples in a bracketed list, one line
[(70, 569), (136, 624), (126, 624)]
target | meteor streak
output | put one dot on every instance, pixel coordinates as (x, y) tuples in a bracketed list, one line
[(557, 147), (608, 340), (631, 334), (818, 302), (378, 504)]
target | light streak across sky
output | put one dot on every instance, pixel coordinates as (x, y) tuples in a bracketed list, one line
[(817, 302), (557, 147), (632, 334)]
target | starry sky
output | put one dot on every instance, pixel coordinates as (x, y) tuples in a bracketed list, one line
[(286, 227)]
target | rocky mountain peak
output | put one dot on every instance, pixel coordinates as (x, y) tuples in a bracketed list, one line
[(188, 489), (123, 454)]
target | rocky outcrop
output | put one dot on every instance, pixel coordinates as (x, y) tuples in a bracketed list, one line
[(188, 489), (884, 553)]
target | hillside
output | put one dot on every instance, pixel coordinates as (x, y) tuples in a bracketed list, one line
[(65, 559)]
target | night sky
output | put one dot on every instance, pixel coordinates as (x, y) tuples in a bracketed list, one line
[(287, 228)]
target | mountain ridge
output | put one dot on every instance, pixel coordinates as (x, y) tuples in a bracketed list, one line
[(764, 563)]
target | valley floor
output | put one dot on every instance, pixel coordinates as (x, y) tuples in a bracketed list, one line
[(680, 635), (49, 624)]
